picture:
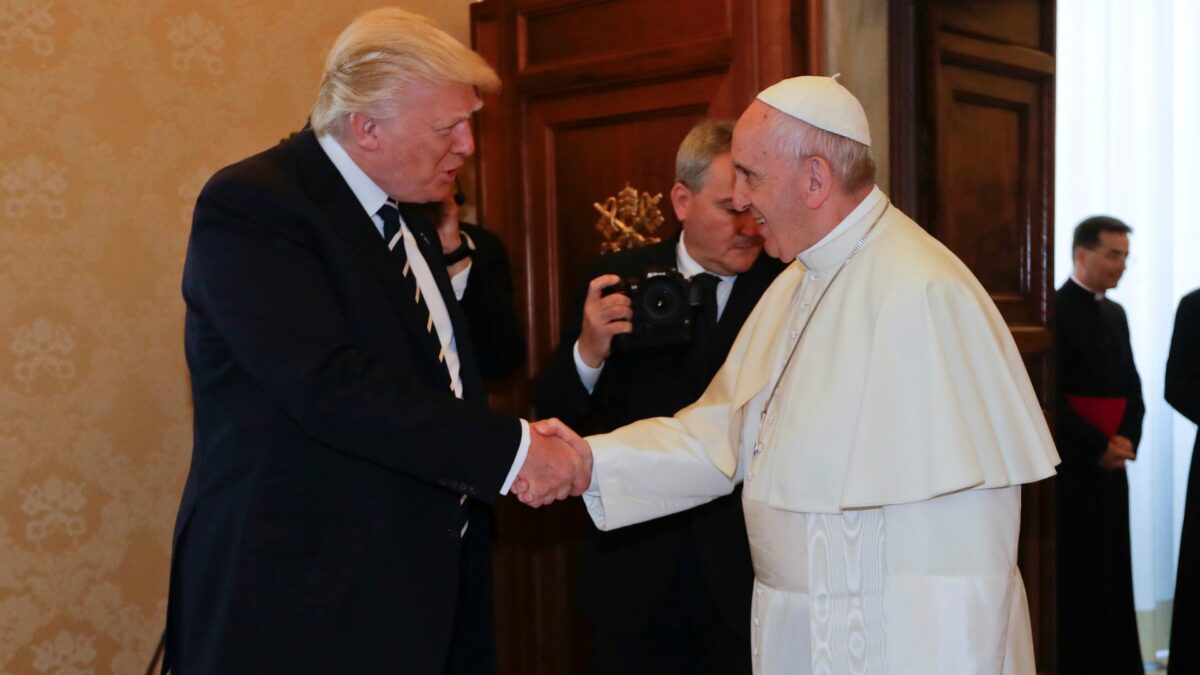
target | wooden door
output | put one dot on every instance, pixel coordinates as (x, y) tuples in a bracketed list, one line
[(972, 123), (597, 94)]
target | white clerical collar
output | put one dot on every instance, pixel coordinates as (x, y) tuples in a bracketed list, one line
[(688, 266), (370, 195), (828, 252), (1099, 295)]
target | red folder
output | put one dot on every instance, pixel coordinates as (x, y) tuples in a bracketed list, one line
[(1103, 413)]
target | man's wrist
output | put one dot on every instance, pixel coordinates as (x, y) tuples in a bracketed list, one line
[(588, 357), (588, 375)]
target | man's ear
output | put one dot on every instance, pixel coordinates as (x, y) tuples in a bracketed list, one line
[(817, 180), (681, 200), (364, 130)]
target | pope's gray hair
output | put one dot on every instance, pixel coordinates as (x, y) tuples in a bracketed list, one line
[(851, 161), (379, 54)]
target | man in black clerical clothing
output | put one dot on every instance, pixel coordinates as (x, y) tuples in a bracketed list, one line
[(1183, 393), (335, 515), (671, 595), (1099, 424)]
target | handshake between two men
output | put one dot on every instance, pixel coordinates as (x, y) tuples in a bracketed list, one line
[(559, 464), (550, 473)]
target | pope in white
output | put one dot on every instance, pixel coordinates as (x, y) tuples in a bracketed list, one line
[(876, 410)]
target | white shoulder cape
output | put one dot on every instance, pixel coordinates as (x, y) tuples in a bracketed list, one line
[(907, 385)]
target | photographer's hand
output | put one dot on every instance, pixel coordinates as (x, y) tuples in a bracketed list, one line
[(603, 317)]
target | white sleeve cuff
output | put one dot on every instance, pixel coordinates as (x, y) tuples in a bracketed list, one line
[(587, 374), (522, 452), (594, 503)]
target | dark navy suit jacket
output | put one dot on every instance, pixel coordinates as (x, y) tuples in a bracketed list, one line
[(333, 472)]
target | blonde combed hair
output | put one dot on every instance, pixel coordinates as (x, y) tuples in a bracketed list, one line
[(380, 53)]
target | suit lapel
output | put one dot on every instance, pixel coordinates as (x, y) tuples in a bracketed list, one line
[(343, 213)]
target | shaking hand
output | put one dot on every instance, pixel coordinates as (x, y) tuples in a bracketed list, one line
[(558, 465)]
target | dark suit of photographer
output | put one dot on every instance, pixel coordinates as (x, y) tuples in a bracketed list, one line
[(673, 594)]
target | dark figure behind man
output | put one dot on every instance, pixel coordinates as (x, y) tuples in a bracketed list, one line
[(1183, 393), (1099, 424)]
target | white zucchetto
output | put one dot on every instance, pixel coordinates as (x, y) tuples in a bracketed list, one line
[(821, 102)]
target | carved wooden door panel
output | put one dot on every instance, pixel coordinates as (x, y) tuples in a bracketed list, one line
[(597, 94), (972, 112)]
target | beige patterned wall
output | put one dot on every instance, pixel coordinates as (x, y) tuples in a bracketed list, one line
[(112, 115)]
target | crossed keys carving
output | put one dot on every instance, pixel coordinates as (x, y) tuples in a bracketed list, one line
[(628, 220)]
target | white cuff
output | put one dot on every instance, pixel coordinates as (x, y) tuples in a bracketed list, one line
[(593, 501), (522, 452), (587, 374)]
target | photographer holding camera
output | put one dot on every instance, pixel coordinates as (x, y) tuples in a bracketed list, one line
[(654, 326)]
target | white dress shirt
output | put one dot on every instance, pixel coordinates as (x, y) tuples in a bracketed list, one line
[(372, 197)]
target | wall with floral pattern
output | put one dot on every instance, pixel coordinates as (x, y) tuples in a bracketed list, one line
[(112, 116)]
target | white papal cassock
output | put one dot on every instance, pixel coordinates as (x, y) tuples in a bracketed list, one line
[(882, 495)]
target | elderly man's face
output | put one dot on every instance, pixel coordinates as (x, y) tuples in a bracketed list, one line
[(421, 148), (766, 184), (721, 238)]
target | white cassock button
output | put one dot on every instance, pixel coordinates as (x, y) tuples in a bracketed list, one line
[(749, 477), (755, 622), (804, 305), (812, 276)]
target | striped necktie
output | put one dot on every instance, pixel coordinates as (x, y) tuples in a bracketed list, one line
[(391, 221), (390, 215)]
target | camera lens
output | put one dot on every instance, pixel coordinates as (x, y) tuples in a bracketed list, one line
[(664, 301)]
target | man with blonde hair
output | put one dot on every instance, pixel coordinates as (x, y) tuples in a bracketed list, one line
[(335, 517), (875, 410)]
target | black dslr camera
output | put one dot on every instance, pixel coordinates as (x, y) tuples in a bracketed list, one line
[(664, 309)]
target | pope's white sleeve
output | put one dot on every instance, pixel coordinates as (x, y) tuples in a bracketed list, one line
[(665, 465), (650, 469)]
